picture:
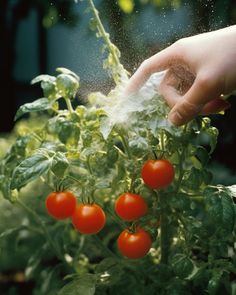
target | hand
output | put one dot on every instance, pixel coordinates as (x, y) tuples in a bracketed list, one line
[(199, 70)]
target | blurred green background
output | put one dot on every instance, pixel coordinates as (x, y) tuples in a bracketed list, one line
[(39, 35)]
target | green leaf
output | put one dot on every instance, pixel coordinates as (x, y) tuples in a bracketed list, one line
[(214, 282), (67, 85), (5, 186), (195, 178), (30, 169), (43, 78), (68, 132), (9, 232), (182, 265), (213, 134), (220, 210), (59, 164), (84, 285), (40, 104), (202, 155), (68, 72)]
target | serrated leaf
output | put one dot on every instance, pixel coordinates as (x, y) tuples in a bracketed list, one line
[(182, 265), (220, 210), (40, 104), (84, 285), (30, 169)]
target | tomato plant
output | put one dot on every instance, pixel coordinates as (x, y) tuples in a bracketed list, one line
[(130, 207), (88, 218), (103, 149), (157, 174), (61, 205), (134, 244)]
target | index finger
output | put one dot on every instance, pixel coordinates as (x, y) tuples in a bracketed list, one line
[(156, 63)]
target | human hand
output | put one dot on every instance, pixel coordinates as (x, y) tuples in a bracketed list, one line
[(199, 70)]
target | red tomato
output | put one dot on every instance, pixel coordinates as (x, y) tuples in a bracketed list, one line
[(134, 245), (157, 174), (60, 205), (130, 206), (88, 218)]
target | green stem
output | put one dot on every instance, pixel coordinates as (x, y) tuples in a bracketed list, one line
[(125, 145), (115, 218), (69, 105), (164, 230), (104, 34), (118, 72)]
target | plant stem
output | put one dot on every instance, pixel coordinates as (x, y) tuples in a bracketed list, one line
[(164, 230), (104, 34), (69, 105), (125, 145), (118, 71)]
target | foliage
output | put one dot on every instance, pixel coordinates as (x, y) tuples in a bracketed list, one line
[(98, 158)]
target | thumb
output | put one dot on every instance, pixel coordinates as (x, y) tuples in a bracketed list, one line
[(190, 105)]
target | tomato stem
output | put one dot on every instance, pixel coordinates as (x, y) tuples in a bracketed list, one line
[(125, 144), (118, 72), (164, 230), (69, 105)]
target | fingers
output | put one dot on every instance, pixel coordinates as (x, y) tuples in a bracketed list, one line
[(156, 63), (191, 104), (215, 106)]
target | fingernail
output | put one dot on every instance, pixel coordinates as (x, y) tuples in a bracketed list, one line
[(175, 118)]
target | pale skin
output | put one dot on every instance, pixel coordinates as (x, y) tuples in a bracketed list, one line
[(199, 71)]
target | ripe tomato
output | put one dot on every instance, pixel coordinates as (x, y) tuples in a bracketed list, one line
[(134, 245), (60, 205), (130, 206), (88, 218), (157, 174)]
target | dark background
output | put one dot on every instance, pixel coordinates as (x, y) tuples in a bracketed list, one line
[(164, 21)]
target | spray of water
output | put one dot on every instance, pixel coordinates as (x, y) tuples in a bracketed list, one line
[(123, 110)]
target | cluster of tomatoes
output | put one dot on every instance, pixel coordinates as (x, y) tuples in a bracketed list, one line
[(133, 242), (86, 218), (136, 243)]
